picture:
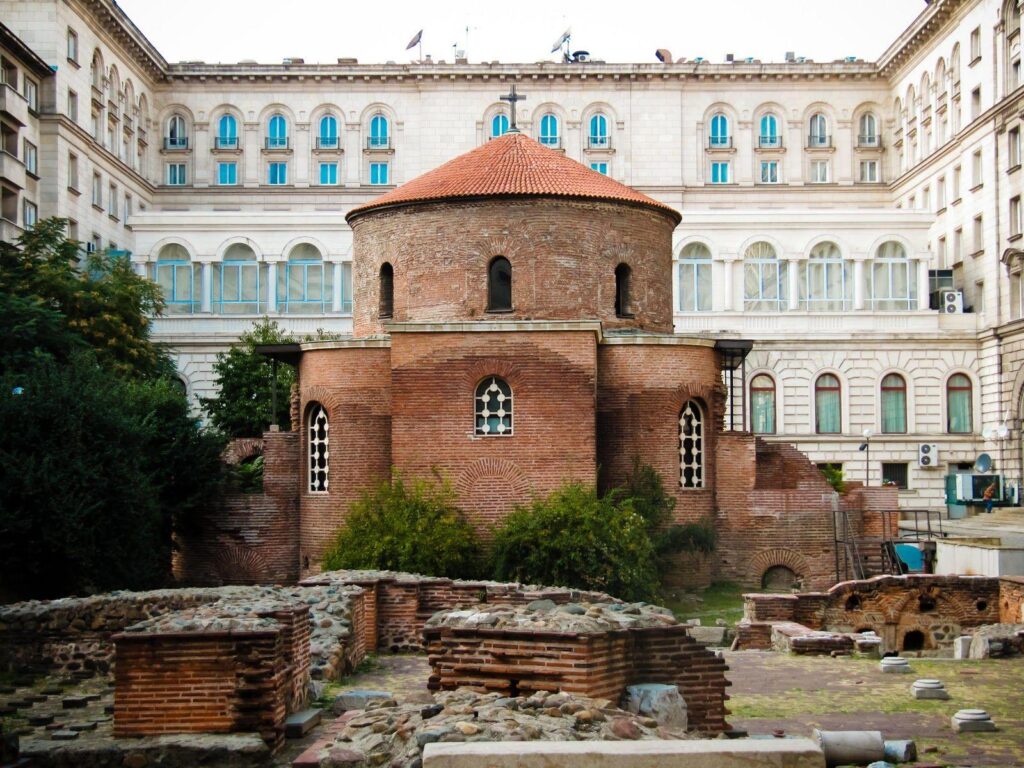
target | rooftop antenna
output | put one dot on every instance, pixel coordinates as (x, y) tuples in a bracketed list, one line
[(512, 97), (417, 40)]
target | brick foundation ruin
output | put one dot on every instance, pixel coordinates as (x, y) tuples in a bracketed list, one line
[(908, 613)]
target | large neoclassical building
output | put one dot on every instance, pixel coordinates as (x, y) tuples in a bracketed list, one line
[(828, 209)]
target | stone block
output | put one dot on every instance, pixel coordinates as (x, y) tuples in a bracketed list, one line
[(300, 723), (64, 735), (662, 702), (900, 751), (972, 721), (358, 700), (708, 635), (928, 688), (962, 647), (894, 665), (857, 747)]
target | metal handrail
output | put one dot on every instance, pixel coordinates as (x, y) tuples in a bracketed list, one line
[(225, 142), (180, 142), (327, 142), (277, 142), (815, 141)]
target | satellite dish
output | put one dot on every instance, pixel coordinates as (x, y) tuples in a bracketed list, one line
[(664, 55), (983, 463)]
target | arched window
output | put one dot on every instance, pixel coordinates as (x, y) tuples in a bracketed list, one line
[(959, 408), (380, 132), (327, 138), (828, 405), (499, 125), (177, 276), (762, 404), (691, 446), (818, 136), (387, 290), (239, 282), (301, 287), (598, 138), (894, 404), (867, 135), (622, 277), (826, 284), (493, 407), (96, 71), (227, 132), (695, 278), (499, 285), (893, 278), (769, 135), (720, 131), (319, 441), (765, 281), (549, 130), (277, 132), (177, 137)]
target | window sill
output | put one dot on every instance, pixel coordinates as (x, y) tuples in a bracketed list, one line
[(940, 211), (1013, 169), (976, 187), (976, 254), (98, 208), (499, 311), (32, 174), (113, 217), (1015, 237), (974, 61), (74, 64), (74, 191), (957, 201)]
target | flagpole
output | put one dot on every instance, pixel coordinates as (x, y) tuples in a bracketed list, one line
[(420, 44)]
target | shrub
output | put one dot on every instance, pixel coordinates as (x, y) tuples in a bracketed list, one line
[(401, 526), (834, 476), (574, 538)]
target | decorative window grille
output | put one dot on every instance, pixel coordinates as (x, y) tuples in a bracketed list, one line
[(319, 453), (691, 446), (493, 407)]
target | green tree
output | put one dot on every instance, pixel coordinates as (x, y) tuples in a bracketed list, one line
[(401, 526), (243, 405)]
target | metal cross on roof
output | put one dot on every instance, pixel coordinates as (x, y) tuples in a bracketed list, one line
[(512, 98)]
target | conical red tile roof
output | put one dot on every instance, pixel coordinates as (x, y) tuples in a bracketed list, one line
[(512, 165)]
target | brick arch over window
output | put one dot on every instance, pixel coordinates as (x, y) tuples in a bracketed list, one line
[(242, 449), (948, 607), (490, 488), (239, 564), (770, 558), (320, 394), (491, 366)]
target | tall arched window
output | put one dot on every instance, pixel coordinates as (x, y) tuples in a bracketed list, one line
[(227, 132), (499, 285), (720, 131), (549, 130), (867, 135), (893, 278), (695, 278), (380, 132), (691, 446), (499, 125), (387, 290), (894, 404), (959, 408), (301, 284), (277, 132), (493, 407), (623, 275), (177, 276), (769, 135), (327, 137), (177, 136), (239, 283), (762, 404), (598, 138), (828, 405), (765, 281), (818, 134), (318, 442), (826, 284)]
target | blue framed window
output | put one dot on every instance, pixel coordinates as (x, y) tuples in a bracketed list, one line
[(549, 130), (499, 125), (380, 134), (176, 174), (227, 174), (328, 174), (277, 133), (346, 286), (302, 285), (176, 276), (227, 132), (695, 278), (720, 173), (601, 168), (177, 136), (720, 131), (769, 135), (277, 173), (379, 173), (328, 136), (598, 138), (239, 282)]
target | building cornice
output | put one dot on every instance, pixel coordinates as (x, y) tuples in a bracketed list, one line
[(919, 34), (64, 123), (116, 23)]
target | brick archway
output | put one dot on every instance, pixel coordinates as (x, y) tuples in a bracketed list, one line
[(771, 558), (489, 489), (239, 564)]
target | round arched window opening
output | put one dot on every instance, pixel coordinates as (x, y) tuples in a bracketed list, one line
[(691, 446), (387, 290), (623, 274), (499, 285), (318, 442), (779, 577)]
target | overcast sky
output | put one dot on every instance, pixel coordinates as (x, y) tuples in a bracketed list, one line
[(518, 30)]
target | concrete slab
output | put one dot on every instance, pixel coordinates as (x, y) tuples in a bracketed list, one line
[(300, 723)]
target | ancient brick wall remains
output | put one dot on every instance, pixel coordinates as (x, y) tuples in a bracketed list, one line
[(1011, 600), (599, 665), (563, 255)]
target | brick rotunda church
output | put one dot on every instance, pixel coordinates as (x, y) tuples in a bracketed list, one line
[(513, 331)]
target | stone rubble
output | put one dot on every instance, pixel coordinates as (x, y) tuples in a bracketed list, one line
[(546, 616)]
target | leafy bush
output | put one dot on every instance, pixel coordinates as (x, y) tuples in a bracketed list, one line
[(403, 526), (833, 474), (248, 475), (575, 538)]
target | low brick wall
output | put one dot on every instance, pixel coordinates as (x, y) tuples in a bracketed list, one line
[(1011, 600), (600, 665)]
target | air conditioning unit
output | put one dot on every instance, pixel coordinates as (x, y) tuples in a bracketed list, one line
[(928, 456), (952, 303)]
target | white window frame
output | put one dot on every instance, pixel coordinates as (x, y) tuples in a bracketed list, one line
[(769, 171), (757, 261)]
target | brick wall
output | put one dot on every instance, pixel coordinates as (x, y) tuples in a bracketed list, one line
[(601, 665), (563, 255), (1011, 600)]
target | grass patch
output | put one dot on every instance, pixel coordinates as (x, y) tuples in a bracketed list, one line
[(721, 600)]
